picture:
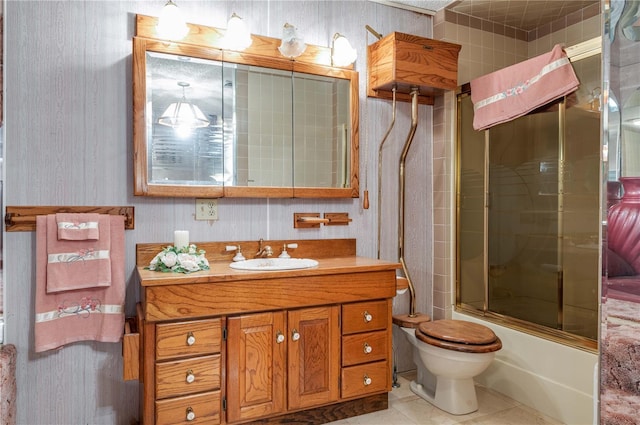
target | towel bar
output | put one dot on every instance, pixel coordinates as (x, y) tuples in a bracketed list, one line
[(23, 219)]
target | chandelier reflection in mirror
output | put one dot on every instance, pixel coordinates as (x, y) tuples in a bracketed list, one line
[(183, 116)]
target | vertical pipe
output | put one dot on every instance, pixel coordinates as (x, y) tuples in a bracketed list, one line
[(384, 139), (403, 157)]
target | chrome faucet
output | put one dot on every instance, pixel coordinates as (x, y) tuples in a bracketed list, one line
[(265, 251)]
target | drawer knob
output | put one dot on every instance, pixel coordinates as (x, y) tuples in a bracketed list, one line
[(295, 335), (279, 337), (191, 339), (367, 348), (191, 415), (367, 380), (367, 317), (190, 376)]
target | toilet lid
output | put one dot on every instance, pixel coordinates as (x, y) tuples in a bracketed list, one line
[(459, 335)]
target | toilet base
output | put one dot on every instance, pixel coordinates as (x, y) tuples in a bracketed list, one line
[(455, 396)]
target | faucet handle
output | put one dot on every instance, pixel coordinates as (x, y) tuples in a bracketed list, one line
[(284, 253), (238, 256)]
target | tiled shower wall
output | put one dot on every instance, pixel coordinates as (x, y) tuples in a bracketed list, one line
[(486, 47)]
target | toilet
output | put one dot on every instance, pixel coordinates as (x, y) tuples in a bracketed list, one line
[(448, 354)]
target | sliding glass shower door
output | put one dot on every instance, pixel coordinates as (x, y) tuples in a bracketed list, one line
[(528, 214)]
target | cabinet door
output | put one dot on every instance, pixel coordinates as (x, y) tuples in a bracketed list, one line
[(314, 356), (256, 353)]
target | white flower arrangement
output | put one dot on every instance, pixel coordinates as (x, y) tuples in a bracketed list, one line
[(184, 260)]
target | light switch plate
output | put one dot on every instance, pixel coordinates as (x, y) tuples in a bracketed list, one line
[(206, 209)]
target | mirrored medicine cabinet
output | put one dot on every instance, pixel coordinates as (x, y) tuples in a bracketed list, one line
[(210, 122)]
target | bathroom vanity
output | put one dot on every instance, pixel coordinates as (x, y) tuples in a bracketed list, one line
[(231, 346)]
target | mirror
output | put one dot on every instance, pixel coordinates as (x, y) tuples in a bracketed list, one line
[(630, 153), (212, 123), (630, 21)]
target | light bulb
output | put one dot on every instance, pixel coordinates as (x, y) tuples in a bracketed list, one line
[(342, 53), (237, 36), (171, 24)]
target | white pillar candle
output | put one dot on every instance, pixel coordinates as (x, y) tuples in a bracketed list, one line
[(181, 239)]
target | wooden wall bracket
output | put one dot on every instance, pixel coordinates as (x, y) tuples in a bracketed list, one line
[(313, 220), (337, 219), (307, 220), (23, 219)]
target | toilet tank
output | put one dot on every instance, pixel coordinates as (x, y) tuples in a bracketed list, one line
[(406, 61)]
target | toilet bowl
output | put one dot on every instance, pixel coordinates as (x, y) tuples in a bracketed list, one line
[(448, 354)]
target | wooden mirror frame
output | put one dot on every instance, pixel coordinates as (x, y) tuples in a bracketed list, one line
[(204, 42)]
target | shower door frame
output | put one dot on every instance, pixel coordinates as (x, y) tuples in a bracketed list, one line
[(575, 53)]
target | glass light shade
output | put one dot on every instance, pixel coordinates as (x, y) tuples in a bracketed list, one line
[(183, 114), (292, 44), (342, 54), (237, 37), (171, 23)]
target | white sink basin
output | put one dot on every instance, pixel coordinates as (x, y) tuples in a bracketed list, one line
[(261, 264)]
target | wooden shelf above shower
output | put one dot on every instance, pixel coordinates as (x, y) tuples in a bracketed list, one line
[(405, 61)]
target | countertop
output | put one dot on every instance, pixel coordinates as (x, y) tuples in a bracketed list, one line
[(221, 272)]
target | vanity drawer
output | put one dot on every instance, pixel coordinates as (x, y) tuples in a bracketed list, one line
[(365, 379), (364, 347), (365, 316), (188, 338), (201, 409), (187, 376)]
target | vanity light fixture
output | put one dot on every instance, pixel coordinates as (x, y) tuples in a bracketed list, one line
[(171, 23), (237, 37), (183, 116), (342, 54), (292, 44)]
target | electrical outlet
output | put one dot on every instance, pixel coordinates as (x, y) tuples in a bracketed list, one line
[(206, 209)]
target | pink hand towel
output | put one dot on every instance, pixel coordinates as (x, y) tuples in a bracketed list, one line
[(519, 89), (77, 227), (77, 264), (84, 315)]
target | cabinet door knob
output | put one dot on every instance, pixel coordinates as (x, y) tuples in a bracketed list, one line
[(191, 415), (367, 380), (190, 376), (367, 348), (367, 317), (191, 339), (295, 335), (279, 337)]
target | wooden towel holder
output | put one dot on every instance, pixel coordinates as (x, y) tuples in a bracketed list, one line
[(23, 219)]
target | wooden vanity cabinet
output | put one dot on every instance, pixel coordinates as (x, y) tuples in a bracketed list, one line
[(256, 366), (313, 356), (268, 360), (366, 342), (305, 346), (187, 375)]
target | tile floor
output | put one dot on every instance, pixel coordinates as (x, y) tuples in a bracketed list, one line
[(406, 408)]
